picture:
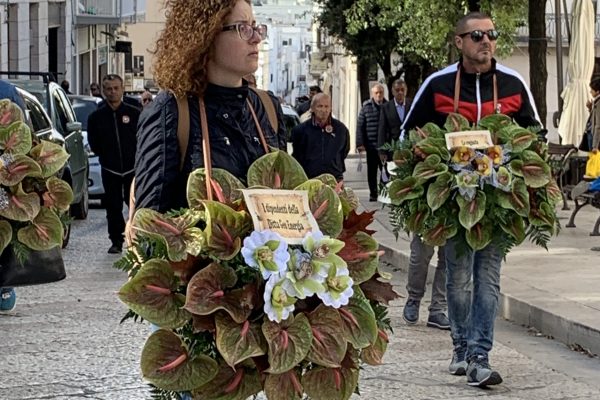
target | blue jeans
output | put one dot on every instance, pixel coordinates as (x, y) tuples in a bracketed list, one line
[(418, 267), (472, 287)]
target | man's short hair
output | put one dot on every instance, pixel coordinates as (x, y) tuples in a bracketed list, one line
[(112, 77), (399, 82), (315, 88), (595, 84), (461, 25)]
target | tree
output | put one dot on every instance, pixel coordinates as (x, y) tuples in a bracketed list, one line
[(538, 73)]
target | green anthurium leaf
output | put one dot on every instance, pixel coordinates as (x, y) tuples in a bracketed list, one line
[(480, 235), (285, 386), (403, 157), (6, 234), (15, 138), (226, 188), (13, 168), (361, 257), (420, 212), (289, 342), (535, 171), (21, 206), (439, 234), (515, 227), (472, 211), (495, 122), (206, 293), (544, 215), (440, 190), (430, 168), (416, 135), (405, 189), (59, 194), (325, 206), (51, 157), (517, 199), (553, 191), (229, 384), (151, 295), (358, 318), (238, 342), (277, 170), (327, 179), (434, 131), (521, 139), (435, 146), (328, 347), (330, 383), (167, 364), (9, 113), (179, 233), (349, 200), (44, 232), (373, 355), (225, 229), (456, 123)]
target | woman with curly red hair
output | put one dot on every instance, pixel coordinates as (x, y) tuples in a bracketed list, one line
[(203, 53)]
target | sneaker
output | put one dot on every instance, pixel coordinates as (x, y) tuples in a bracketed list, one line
[(115, 249), (8, 300), (479, 373), (411, 311), (458, 365), (439, 321), (372, 198)]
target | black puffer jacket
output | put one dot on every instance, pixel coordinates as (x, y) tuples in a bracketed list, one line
[(234, 141)]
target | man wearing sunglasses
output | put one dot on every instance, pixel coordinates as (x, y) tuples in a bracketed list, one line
[(476, 86)]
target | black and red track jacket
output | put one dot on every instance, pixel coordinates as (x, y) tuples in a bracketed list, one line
[(435, 98)]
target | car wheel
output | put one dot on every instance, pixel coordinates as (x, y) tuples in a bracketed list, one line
[(80, 210)]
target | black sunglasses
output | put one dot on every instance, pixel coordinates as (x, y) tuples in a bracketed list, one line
[(246, 31), (477, 35)]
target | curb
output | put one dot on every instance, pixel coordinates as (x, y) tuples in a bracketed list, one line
[(514, 307)]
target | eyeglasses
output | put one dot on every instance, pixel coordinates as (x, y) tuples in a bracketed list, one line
[(246, 31), (477, 35)]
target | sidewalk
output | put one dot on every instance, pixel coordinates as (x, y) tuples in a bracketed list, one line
[(556, 292)]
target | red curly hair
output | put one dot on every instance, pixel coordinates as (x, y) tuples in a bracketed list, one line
[(185, 45)]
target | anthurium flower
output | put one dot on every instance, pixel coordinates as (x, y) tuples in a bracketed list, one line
[(278, 304), (321, 247), (503, 179), (463, 155), (304, 278), (495, 154), (467, 182), (338, 285), (266, 251), (483, 165)]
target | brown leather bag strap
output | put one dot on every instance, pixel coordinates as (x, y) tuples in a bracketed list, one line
[(206, 148), (183, 128), (258, 128), (269, 108)]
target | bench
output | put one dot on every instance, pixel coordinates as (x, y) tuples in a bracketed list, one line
[(591, 198), (558, 158)]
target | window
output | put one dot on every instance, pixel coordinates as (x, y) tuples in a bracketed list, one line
[(63, 112), (39, 121)]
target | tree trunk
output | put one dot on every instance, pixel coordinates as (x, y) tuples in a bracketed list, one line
[(412, 76), (538, 73), (363, 80)]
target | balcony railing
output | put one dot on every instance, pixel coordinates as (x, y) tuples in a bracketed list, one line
[(523, 32), (113, 12)]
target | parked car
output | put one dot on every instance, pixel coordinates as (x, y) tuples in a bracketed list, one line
[(84, 106), (290, 119), (64, 121), (42, 127)]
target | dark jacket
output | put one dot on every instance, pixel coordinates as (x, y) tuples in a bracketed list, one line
[(367, 126), (320, 152), (389, 122), (435, 99), (234, 143), (112, 137), (595, 123)]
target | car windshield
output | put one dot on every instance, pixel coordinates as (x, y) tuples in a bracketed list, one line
[(83, 109)]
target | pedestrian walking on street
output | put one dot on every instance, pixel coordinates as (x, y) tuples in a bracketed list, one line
[(146, 98), (222, 40), (95, 90), (367, 131), (66, 86), (303, 109), (112, 137), (476, 86), (8, 296), (392, 116), (322, 143)]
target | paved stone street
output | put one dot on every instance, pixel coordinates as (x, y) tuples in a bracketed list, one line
[(64, 341)]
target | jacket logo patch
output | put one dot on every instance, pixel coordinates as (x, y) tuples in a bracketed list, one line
[(126, 119)]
